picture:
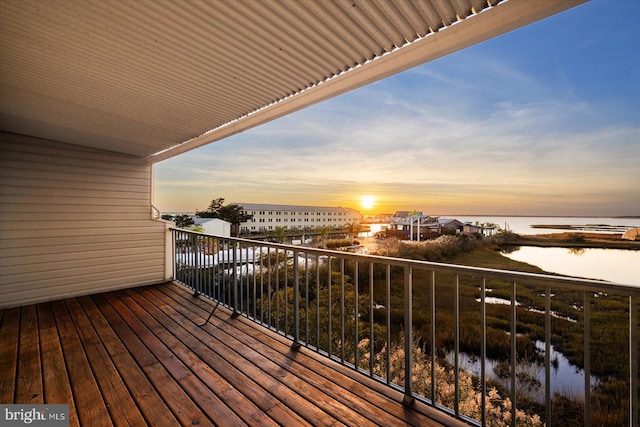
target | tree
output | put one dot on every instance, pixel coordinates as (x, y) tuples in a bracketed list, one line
[(233, 214), (352, 228), (182, 220), (323, 233), (279, 233)]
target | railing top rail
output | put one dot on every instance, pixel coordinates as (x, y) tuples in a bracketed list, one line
[(519, 277)]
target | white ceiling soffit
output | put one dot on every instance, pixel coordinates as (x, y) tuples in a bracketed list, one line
[(158, 78)]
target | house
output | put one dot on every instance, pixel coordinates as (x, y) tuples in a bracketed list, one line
[(215, 226), (447, 225), (411, 225)]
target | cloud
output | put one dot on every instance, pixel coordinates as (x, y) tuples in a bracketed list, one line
[(508, 132)]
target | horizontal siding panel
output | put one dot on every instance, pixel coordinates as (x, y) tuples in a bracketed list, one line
[(121, 231), (67, 216), (77, 184), (80, 209), (37, 249), (56, 150), (53, 263), (47, 278), (79, 166), (66, 258), (125, 239), (72, 192), (79, 200), (90, 225), (67, 289), (64, 175), (73, 221)]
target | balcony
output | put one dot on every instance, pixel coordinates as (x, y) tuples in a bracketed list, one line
[(80, 133), (137, 357), (387, 319)]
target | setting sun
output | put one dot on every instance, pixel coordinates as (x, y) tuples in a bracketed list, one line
[(367, 202)]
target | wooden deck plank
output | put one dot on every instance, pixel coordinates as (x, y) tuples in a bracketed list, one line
[(271, 369), (171, 336), (9, 337), (29, 381), (120, 404), (263, 390), (200, 393), (57, 387), (178, 401), (88, 400), (141, 350), (311, 366), (151, 405)]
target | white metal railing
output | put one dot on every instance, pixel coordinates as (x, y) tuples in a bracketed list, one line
[(408, 323)]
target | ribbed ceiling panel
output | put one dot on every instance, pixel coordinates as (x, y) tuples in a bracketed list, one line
[(147, 75)]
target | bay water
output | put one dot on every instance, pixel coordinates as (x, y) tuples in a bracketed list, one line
[(613, 265)]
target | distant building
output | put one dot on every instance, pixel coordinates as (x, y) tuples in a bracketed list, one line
[(448, 225), (485, 230), (214, 226), (267, 217), (411, 225)]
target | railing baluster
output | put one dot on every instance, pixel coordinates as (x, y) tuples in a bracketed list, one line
[(547, 354), (317, 302), (388, 321), (342, 309), (587, 358), (456, 343), (269, 284), (235, 280), (433, 337), (330, 305), (277, 326), (356, 286), (408, 344), (514, 359), (483, 352), (286, 292), (306, 298), (371, 336), (262, 259), (255, 284), (633, 361), (296, 301)]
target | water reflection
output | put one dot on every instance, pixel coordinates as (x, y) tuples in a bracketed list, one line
[(566, 379), (614, 265)]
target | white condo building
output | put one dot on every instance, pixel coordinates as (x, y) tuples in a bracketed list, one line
[(267, 217)]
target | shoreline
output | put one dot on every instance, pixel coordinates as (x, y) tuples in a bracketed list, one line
[(574, 240)]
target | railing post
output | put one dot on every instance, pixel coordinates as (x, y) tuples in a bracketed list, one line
[(408, 344)]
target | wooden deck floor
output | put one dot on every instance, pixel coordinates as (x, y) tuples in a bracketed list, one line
[(137, 357)]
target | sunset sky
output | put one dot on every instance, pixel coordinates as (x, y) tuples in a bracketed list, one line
[(544, 120)]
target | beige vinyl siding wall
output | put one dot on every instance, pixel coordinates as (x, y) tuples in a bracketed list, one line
[(74, 221)]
